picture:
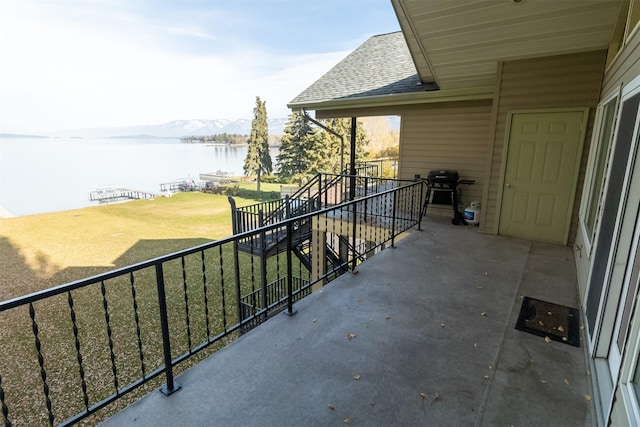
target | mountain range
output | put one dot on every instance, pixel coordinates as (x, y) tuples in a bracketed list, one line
[(175, 129)]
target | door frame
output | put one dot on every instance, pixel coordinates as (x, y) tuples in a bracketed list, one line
[(505, 155), (607, 364), (607, 311)]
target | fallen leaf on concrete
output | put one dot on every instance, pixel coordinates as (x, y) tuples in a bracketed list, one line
[(560, 328), (588, 397), (442, 325), (566, 381), (547, 339), (486, 273), (388, 317), (436, 397), (486, 377), (351, 336), (331, 407), (347, 420), (314, 320), (540, 323), (543, 381), (422, 395), (356, 377), (565, 339), (484, 314)]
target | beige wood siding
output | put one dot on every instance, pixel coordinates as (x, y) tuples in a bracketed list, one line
[(624, 68), (447, 136), (542, 83)]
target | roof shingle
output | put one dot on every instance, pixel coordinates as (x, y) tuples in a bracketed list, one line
[(380, 66)]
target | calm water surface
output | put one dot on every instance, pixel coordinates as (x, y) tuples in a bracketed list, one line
[(46, 175)]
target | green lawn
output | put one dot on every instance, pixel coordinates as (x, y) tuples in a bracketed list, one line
[(41, 251), (264, 186)]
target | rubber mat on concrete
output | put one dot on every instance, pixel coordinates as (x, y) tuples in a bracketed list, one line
[(551, 321)]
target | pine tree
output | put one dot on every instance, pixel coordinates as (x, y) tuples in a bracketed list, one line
[(301, 150), (332, 160), (258, 160)]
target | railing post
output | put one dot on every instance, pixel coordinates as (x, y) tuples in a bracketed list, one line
[(353, 240), (170, 387), (263, 263), (236, 267), (393, 221), (320, 191), (287, 207), (366, 186), (420, 207), (234, 220), (290, 311)]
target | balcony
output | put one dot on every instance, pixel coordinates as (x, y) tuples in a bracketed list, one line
[(423, 334)]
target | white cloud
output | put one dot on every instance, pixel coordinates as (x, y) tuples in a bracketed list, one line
[(60, 72)]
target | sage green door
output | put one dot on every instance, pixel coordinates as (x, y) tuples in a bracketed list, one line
[(543, 162)]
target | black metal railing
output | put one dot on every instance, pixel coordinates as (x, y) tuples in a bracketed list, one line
[(386, 167), (322, 191), (83, 347)]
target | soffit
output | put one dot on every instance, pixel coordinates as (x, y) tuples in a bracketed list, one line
[(459, 43)]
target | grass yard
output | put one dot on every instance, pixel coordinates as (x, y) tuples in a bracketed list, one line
[(41, 251), (264, 186)]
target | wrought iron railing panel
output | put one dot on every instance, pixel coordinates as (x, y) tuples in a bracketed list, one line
[(72, 350)]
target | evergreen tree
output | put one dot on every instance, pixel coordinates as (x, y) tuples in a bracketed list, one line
[(258, 160), (332, 144), (301, 150)]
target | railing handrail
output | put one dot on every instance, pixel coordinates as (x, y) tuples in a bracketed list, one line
[(77, 284), (402, 202), (336, 177)]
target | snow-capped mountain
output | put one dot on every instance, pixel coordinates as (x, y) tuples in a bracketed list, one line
[(176, 129)]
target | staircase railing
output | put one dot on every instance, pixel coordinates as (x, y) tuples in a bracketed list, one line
[(321, 191)]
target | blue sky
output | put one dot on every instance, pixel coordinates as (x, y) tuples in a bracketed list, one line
[(101, 63)]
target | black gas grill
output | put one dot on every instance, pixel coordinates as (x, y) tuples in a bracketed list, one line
[(442, 189)]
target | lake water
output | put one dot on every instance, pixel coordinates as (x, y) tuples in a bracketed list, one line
[(47, 175)]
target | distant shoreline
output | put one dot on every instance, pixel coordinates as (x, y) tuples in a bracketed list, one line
[(16, 135)]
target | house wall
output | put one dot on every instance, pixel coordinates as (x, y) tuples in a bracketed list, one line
[(541, 83), (624, 68), (444, 135), (451, 135)]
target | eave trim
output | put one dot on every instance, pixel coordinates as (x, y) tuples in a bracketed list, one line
[(467, 94)]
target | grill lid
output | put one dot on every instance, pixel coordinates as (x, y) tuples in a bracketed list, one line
[(443, 177)]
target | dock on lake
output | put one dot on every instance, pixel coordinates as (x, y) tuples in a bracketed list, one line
[(108, 195)]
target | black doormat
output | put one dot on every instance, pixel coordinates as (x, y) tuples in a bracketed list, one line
[(545, 319)]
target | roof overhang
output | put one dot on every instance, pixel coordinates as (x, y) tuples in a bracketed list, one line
[(458, 44), (467, 94), (455, 46)]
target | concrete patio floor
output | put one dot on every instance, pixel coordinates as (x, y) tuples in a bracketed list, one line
[(422, 335)]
